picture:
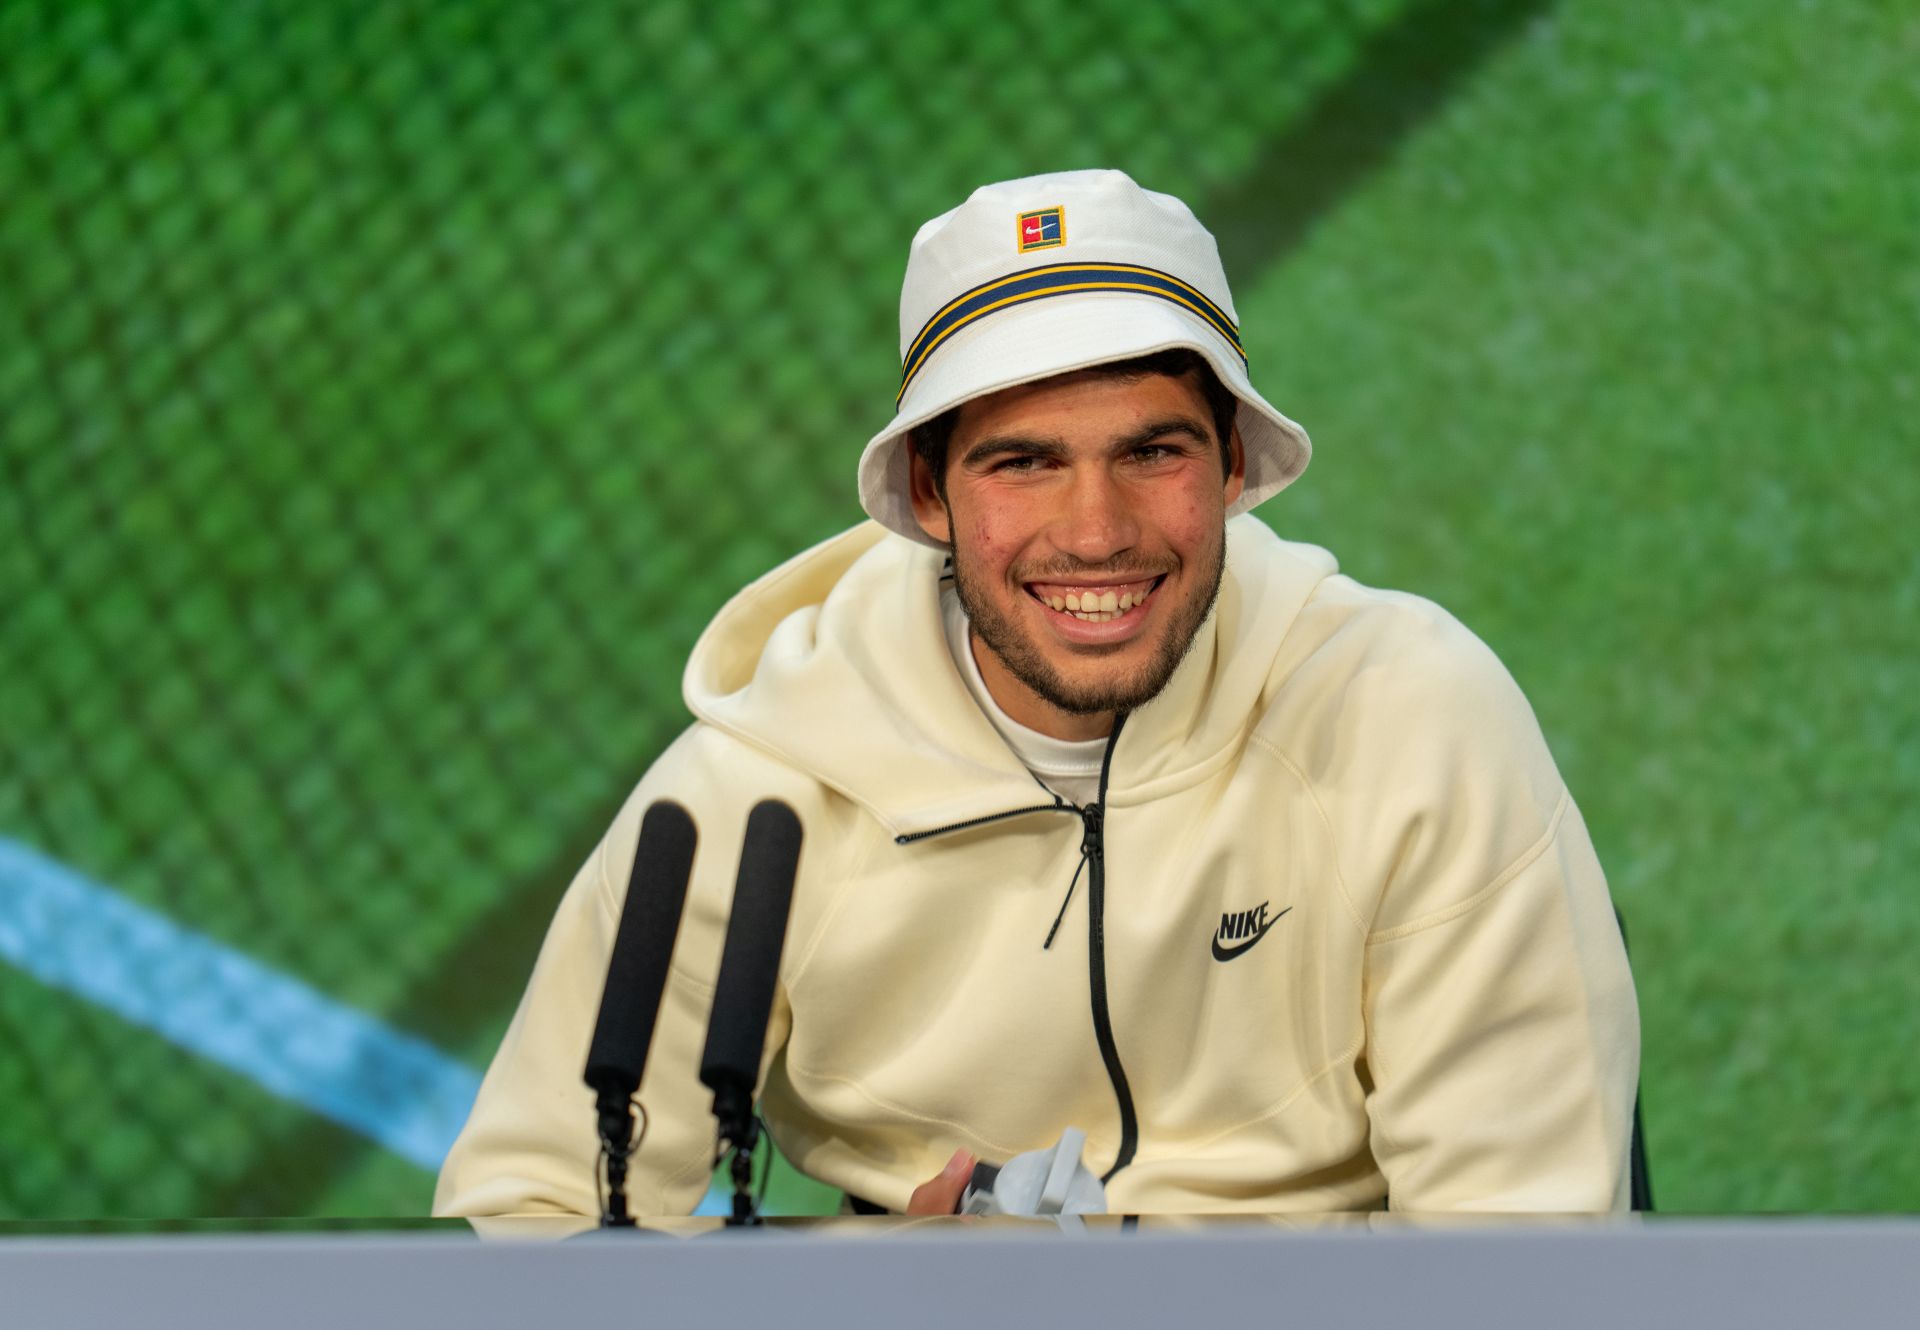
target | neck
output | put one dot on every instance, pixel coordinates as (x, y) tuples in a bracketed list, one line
[(1027, 707)]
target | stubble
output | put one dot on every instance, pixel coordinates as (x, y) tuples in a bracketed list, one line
[(1024, 659)]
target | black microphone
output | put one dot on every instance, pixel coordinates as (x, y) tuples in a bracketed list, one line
[(743, 991), (636, 980)]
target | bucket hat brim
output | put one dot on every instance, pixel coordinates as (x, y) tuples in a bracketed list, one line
[(1058, 336)]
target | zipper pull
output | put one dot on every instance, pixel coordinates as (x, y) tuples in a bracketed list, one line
[(1093, 819), (1090, 850)]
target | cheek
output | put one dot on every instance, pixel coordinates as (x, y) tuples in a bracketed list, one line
[(992, 544), (1193, 525)]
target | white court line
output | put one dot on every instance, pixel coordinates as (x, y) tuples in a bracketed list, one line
[(75, 935)]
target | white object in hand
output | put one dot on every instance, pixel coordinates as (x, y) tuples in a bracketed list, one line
[(1042, 1182)]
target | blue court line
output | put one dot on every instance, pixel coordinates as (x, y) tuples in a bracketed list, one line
[(73, 934)]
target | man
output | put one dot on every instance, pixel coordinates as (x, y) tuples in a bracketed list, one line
[(1121, 812)]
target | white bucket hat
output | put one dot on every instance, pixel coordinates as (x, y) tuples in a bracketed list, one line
[(1035, 277)]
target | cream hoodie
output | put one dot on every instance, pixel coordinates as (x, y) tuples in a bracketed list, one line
[(1352, 944)]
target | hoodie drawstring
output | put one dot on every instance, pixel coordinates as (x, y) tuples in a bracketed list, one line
[(1093, 822), (1086, 853)]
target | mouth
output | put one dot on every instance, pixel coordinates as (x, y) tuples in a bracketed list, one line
[(1097, 602)]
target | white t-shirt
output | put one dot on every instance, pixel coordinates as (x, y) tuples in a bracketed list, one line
[(1069, 767)]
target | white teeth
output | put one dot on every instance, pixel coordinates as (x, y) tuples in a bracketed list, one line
[(1096, 606)]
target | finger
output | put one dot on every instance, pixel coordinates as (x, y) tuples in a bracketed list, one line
[(940, 1194)]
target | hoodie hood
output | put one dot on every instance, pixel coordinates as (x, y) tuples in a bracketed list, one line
[(836, 663)]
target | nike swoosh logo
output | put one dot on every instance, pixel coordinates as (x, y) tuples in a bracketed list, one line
[(1221, 953)]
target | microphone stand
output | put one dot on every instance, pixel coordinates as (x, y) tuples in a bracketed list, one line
[(744, 990), (635, 984), (740, 1130), (616, 1147)]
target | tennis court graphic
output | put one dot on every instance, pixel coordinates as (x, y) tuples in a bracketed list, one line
[(393, 392), (398, 1091), (74, 934)]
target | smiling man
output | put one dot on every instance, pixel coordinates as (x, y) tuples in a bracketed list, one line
[(1121, 812), (1093, 505)]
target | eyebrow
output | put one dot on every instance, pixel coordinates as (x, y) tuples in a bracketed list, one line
[(1054, 447)]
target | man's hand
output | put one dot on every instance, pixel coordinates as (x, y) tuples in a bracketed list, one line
[(940, 1194)]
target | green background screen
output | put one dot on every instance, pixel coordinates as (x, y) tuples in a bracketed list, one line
[(390, 392)]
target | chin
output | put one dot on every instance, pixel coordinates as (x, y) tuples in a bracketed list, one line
[(1126, 684)]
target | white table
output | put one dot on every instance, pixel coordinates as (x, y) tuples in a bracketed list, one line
[(1623, 1275)]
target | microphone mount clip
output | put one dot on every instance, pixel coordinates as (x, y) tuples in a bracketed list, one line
[(740, 1133), (616, 1148)]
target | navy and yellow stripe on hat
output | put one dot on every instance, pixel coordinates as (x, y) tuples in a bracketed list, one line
[(1058, 279)]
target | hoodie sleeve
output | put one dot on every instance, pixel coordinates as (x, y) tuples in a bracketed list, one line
[(530, 1146), (1502, 1036), (1504, 1041)]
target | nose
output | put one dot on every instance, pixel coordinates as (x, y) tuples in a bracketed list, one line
[(1096, 520)]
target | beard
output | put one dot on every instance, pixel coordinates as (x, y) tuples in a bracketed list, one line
[(1025, 660)]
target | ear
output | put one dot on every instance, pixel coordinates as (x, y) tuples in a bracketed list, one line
[(1237, 468), (929, 509)]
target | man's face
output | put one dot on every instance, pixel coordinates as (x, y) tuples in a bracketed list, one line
[(1067, 500)]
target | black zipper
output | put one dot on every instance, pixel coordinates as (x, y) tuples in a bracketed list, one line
[(1058, 805), (1093, 845), (1093, 854)]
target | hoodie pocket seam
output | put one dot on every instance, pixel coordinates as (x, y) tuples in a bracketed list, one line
[(960, 1130), (1286, 1100)]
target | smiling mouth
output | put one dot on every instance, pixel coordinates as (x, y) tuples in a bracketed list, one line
[(1095, 604)]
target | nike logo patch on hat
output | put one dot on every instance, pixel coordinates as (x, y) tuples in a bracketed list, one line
[(1044, 229)]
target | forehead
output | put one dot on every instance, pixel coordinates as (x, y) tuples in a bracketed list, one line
[(1082, 403)]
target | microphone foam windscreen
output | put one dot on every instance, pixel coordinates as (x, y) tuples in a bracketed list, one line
[(756, 934), (642, 949)]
